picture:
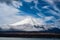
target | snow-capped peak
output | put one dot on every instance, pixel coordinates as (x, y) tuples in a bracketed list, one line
[(29, 20), (28, 24), (25, 21)]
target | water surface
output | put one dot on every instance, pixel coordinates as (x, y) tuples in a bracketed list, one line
[(6, 38)]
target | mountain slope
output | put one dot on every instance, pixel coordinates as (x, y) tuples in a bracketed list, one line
[(29, 24)]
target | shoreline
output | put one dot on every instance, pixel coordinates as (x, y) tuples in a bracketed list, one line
[(30, 35)]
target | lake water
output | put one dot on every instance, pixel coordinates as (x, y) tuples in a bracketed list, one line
[(6, 38)]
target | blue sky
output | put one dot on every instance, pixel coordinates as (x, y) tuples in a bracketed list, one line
[(18, 10), (30, 9)]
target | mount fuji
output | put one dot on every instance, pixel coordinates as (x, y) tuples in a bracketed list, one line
[(28, 24), (30, 20)]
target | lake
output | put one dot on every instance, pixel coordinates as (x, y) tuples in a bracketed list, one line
[(11, 38)]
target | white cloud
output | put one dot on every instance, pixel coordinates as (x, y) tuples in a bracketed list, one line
[(41, 15), (17, 4), (8, 14), (45, 7), (49, 18), (54, 13), (52, 3), (28, 0)]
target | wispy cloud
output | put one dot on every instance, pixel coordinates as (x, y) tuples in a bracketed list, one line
[(53, 4), (28, 0)]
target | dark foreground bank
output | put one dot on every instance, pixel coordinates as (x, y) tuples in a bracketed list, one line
[(30, 34)]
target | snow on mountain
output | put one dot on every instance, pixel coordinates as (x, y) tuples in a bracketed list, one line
[(28, 24), (25, 21), (29, 20)]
